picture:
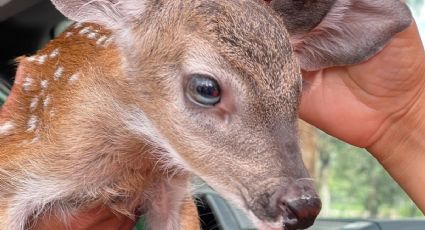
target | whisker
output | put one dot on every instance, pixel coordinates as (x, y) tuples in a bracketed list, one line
[(305, 179)]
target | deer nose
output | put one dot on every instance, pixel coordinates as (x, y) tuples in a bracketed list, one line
[(298, 204), (300, 213)]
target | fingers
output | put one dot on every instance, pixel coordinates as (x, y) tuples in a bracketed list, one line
[(99, 218)]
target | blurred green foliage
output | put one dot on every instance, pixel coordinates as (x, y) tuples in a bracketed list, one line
[(4, 91), (356, 185), (352, 182), (418, 10)]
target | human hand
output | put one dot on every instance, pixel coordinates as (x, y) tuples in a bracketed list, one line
[(378, 105), (359, 103)]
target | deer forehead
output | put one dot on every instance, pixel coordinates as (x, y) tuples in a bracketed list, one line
[(256, 32), (252, 42)]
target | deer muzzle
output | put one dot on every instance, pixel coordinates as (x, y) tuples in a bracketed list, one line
[(296, 205)]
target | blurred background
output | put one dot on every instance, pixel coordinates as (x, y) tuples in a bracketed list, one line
[(351, 183), (418, 9)]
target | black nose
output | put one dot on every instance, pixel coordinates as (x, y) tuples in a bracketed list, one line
[(300, 213), (299, 205)]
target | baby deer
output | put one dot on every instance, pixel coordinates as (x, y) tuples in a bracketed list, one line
[(121, 117)]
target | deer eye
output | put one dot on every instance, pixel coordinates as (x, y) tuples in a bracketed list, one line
[(203, 90)]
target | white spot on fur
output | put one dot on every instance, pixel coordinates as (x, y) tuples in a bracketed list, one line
[(6, 128), (32, 59), (85, 30), (44, 84), (54, 53), (34, 103), (92, 35), (58, 73), (47, 101), (32, 123), (68, 34), (42, 59), (101, 40), (38, 59), (26, 85), (108, 41), (75, 77), (78, 25)]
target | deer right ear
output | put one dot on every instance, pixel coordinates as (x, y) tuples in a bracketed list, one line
[(105, 12), (329, 33)]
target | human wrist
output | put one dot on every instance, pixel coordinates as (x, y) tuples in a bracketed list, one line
[(401, 149)]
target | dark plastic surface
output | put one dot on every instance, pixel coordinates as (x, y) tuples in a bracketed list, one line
[(229, 218), (12, 7)]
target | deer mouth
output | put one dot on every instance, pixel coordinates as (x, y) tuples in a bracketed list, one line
[(295, 215), (294, 206), (295, 218)]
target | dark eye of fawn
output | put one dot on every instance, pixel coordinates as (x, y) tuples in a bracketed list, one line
[(203, 90)]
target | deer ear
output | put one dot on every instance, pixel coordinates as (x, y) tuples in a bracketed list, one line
[(105, 12), (340, 32)]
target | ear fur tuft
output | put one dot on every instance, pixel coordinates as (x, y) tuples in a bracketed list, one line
[(109, 13)]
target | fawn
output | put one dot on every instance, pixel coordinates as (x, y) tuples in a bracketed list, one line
[(138, 95)]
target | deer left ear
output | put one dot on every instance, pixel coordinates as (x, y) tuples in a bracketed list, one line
[(109, 13)]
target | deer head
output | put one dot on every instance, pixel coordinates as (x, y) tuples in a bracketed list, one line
[(215, 85)]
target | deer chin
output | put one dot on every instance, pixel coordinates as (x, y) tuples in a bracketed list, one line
[(240, 201), (265, 225), (280, 206)]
